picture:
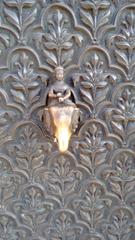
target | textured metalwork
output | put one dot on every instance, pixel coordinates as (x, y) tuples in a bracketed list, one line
[(87, 193)]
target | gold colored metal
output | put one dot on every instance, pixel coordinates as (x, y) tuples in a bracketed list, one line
[(63, 123)]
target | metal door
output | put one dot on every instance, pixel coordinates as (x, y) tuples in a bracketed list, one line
[(88, 192)]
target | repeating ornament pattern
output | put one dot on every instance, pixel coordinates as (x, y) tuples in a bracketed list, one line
[(87, 193)]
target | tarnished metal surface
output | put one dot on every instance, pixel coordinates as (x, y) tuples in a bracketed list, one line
[(87, 193)]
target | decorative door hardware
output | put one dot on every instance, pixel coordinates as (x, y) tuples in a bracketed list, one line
[(61, 114)]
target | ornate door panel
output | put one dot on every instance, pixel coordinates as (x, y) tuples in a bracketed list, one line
[(88, 192)]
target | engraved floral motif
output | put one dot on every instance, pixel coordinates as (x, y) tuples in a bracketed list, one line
[(32, 208), (10, 230), (94, 82), (121, 176), (124, 41), (9, 182), (64, 227), (25, 84), (29, 153), (94, 147), (92, 204), (121, 225), (21, 20), (57, 42), (63, 178), (122, 116), (95, 14)]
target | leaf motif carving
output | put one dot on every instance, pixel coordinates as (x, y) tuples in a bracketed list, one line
[(121, 58), (86, 18), (18, 96), (30, 18), (67, 57), (14, 3), (86, 96), (51, 58), (118, 128), (12, 18), (104, 19)]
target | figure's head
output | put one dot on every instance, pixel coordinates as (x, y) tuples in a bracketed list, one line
[(59, 73)]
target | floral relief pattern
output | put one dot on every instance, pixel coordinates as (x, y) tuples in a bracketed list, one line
[(95, 14), (32, 208), (88, 192), (9, 228), (124, 42)]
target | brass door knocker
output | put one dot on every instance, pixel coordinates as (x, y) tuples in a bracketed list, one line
[(61, 114)]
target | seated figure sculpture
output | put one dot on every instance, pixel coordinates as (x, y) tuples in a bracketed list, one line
[(61, 115), (59, 92)]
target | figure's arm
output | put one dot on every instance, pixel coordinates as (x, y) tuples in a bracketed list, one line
[(67, 95), (51, 94)]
